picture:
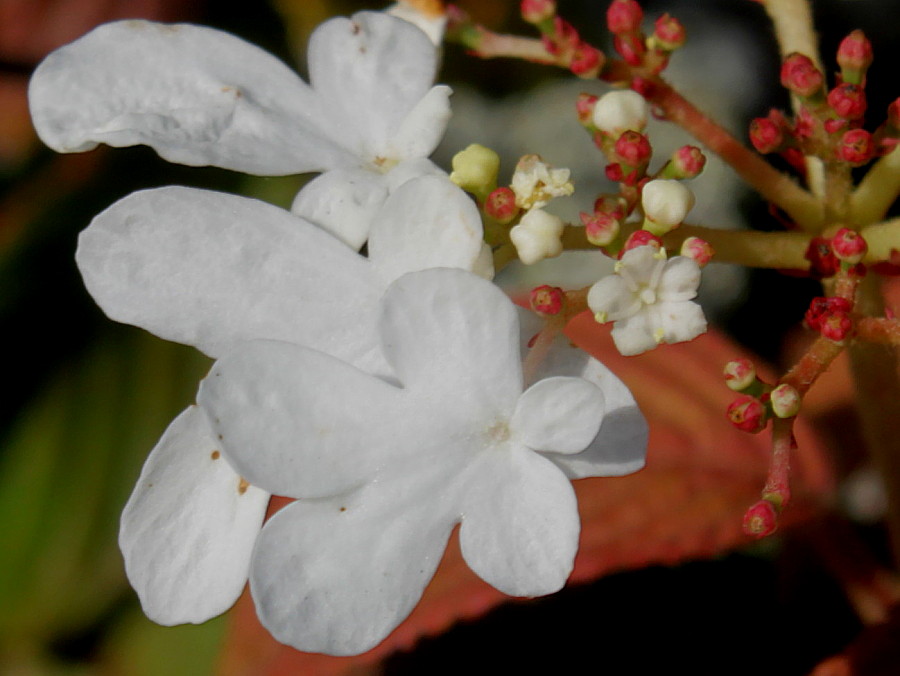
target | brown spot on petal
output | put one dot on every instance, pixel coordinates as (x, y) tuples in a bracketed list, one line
[(243, 485), (355, 27), (343, 509), (215, 455), (237, 94)]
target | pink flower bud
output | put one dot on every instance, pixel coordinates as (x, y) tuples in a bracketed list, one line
[(761, 519), (587, 61), (822, 261), (766, 135), (669, 33), (856, 147), (836, 326), (633, 148), (547, 300), (849, 246), (601, 228), (855, 53), (688, 162), (631, 48), (821, 308), (800, 75), (624, 16), (834, 125), (501, 205), (848, 101), (641, 238), (739, 374), (785, 401), (537, 11), (698, 250), (584, 107), (747, 414), (614, 172)]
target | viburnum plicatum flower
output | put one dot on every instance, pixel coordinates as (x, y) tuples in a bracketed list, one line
[(368, 119), (535, 182), (537, 236), (650, 300), (214, 270), (384, 469)]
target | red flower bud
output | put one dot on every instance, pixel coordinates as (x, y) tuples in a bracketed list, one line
[(688, 161), (633, 148), (836, 326), (536, 11), (624, 16), (631, 48), (855, 53), (747, 414), (641, 238), (601, 228), (584, 107), (820, 308), (800, 75), (856, 147), (547, 300), (822, 261), (848, 101), (849, 246), (761, 519), (698, 250), (766, 135), (669, 33), (501, 205), (587, 61)]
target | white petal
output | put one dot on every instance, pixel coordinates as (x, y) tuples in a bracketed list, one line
[(428, 222), (188, 529), (196, 95), (300, 423), (634, 335), (639, 264), (369, 72), (612, 298), (679, 280), (452, 333), (338, 575), (432, 25), (210, 270), (343, 202), (410, 169), (423, 128), (679, 321), (558, 414), (520, 523)]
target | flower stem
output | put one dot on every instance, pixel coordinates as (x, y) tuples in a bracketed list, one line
[(877, 191)]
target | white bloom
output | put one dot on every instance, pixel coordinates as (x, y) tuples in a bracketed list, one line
[(387, 470), (368, 119), (619, 111), (666, 202), (537, 236), (215, 270), (649, 299), (535, 183)]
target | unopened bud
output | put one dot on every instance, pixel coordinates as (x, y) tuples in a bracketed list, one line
[(587, 61), (800, 75), (856, 147), (822, 261), (630, 47), (641, 238), (848, 101), (761, 519), (601, 229), (618, 111), (475, 169), (547, 300), (665, 202), (766, 135), (785, 401), (739, 374), (537, 11), (836, 326), (537, 236), (687, 162), (698, 250), (624, 16), (633, 149), (820, 308), (668, 33), (584, 107), (854, 57), (747, 413), (849, 246), (501, 205)]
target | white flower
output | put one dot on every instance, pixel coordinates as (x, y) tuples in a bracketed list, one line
[(387, 469), (666, 203), (619, 111), (535, 183), (649, 299), (198, 96), (214, 271), (428, 15), (537, 236)]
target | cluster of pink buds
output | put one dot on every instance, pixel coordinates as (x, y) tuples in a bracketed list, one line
[(829, 122), (845, 250), (830, 316), (562, 40), (624, 18), (757, 402)]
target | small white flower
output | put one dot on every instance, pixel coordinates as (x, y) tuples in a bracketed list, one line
[(535, 183), (368, 119), (386, 470), (537, 236), (214, 271), (619, 111), (666, 203), (649, 299)]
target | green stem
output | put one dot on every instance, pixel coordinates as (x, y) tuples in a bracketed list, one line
[(877, 190)]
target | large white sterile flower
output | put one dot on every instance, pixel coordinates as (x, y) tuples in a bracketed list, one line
[(386, 469), (650, 300), (213, 271), (368, 119)]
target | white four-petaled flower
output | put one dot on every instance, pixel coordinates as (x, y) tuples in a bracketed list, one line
[(369, 118), (383, 470), (650, 300)]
